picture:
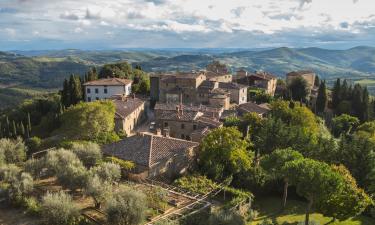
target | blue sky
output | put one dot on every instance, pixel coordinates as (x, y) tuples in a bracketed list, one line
[(114, 24)]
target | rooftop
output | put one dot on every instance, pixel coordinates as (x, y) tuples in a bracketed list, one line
[(231, 85), (147, 150), (108, 82), (252, 107), (124, 107)]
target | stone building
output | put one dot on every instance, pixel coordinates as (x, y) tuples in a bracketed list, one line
[(307, 75), (185, 124), (154, 155), (105, 88), (208, 111), (259, 80), (238, 92), (130, 112)]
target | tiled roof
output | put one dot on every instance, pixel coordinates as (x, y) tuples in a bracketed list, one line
[(147, 150), (109, 82), (209, 122), (182, 116), (125, 107), (172, 107), (252, 107), (231, 85)]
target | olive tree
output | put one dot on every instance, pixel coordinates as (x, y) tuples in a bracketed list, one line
[(109, 172), (59, 208), (89, 153), (99, 190), (126, 207), (12, 151)]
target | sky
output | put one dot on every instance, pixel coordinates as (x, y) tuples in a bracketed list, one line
[(118, 24)]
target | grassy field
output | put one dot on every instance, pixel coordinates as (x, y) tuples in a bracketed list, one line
[(367, 82), (269, 207)]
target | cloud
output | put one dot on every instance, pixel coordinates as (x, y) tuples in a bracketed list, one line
[(211, 21)]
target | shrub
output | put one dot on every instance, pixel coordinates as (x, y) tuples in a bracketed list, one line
[(225, 217), (58, 208), (109, 172), (34, 167), (99, 190), (13, 151), (89, 153), (127, 206), (157, 198), (125, 165), (197, 184), (33, 145), (32, 206), (167, 222)]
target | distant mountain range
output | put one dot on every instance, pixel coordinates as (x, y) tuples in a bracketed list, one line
[(47, 69)]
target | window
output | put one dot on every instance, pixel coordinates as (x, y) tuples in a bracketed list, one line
[(88, 90), (89, 99), (165, 124), (182, 126), (96, 90), (97, 98), (105, 91)]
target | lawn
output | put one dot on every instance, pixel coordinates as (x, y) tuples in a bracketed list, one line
[(269, 207)]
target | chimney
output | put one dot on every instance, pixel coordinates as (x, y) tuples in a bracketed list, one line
[(166, 132)]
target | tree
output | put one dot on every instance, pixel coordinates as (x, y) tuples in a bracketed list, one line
[(99, 190), (344, 124), (322, 98), (225, 217), (336, 94), (88, 121), (351, 201), (59, 208), (298, 89), (14, 151), (89, 153), (119, 70), (224, 153), (107, 172), (75, 89), (65, 94), (68, 169), (314, 180), (126, 207), (274, 163)]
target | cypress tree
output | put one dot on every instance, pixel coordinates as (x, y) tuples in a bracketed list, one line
[(8, 132), (336, 94), (75, 89), (65, 94), (1, 130), (321, 100), (317, 81), (22, 129), (365, 104), (357, 105), (14, 129), (344, 93), (28, 125)]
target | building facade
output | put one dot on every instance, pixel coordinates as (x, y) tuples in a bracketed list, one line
[(105, 88), (259, 80)]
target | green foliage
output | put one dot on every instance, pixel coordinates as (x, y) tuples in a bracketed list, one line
[(344, 124), (107, 171), (12, 151), (33, 145), (98, 189), (261, 97), (237, 197), (89, 153), (225, 217), (32, 206), (157, 198), (224, 153), (34, 167), (59, 208), (88, 121), (125, 165), (72, 92), (349, 202), (196, 184), (68, 169), (298, 89), (126, 206), (322, 98)]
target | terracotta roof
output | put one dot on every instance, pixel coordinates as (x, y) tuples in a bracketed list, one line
[(209, 122), (252, 107), (172, 107), (184, 116), (109, 82), (231, 85), (299, 73), (125, 107), (147, 150)]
